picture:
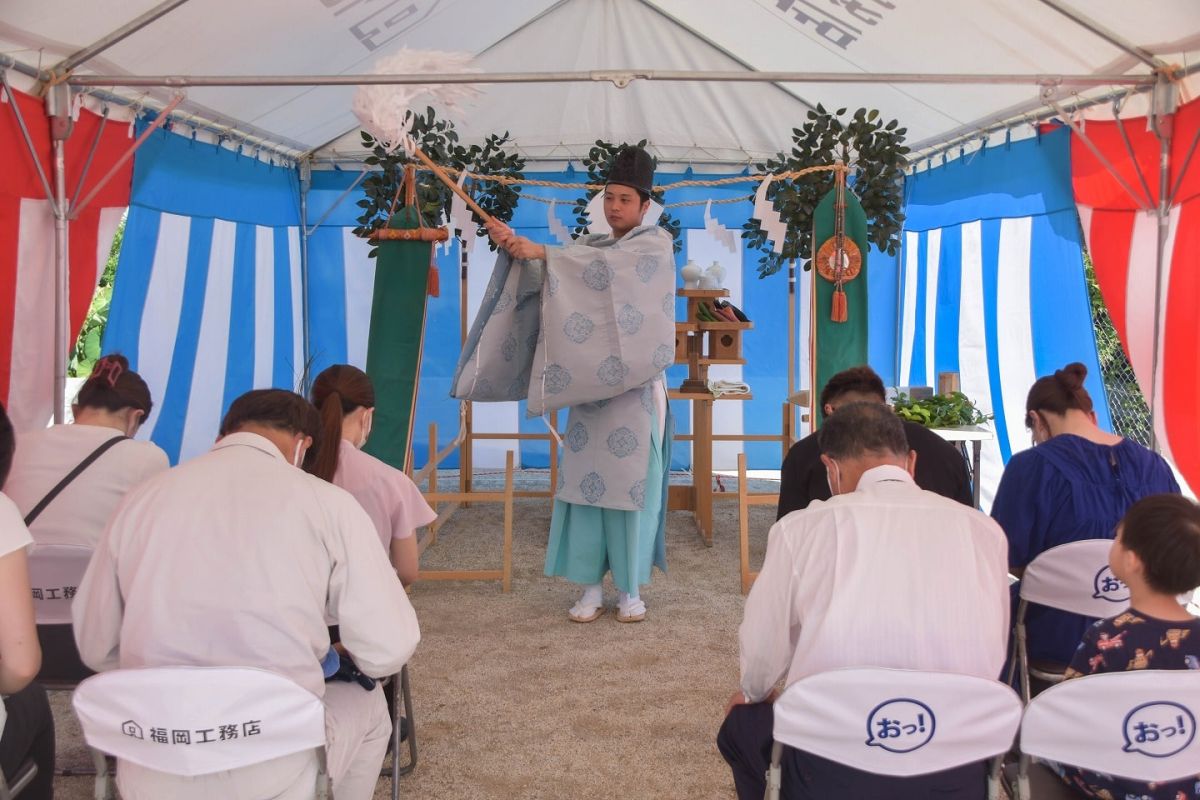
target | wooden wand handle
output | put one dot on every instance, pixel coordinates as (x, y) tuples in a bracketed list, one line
[(454, 187)]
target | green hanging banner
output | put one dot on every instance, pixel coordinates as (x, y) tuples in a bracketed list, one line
[(402, 281), (839, 295)]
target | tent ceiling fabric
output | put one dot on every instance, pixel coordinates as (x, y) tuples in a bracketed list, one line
[(723, 122)]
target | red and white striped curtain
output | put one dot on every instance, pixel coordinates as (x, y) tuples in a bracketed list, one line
[(27, 246), (1122, 237)]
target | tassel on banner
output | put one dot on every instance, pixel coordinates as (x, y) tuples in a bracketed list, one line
[(435, 285), (840, 312)]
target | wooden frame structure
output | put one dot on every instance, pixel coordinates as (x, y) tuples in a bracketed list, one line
[(745, 499), (452, 501)]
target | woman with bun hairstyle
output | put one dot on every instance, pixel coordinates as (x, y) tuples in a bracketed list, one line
[(1076, 483), (110, 407), (345, 398)]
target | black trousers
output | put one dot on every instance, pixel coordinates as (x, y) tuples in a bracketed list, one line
[(745, 741), (60, 657), (29, 734)]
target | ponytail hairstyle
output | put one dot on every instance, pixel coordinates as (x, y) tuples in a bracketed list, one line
[(336, 392), (8, 445), (113, 386), (1059, 393)]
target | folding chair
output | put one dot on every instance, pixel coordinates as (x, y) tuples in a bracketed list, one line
[(1072, 577), (55, 572), (25, 773), (191, 721), (1139, 725), (895, 722), (395, 771)]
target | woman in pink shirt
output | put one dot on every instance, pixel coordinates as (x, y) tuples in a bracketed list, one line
[(346, 399)]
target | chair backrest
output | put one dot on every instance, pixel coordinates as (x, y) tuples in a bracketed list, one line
[(1076, 577), (898, 722), (55, 571), (198, 720), (1139, 725)]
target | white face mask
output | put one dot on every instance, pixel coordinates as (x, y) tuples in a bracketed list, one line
[(367, 420), (298, 454), (830, 479)]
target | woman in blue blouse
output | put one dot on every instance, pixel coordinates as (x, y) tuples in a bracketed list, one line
[(1076, 483)]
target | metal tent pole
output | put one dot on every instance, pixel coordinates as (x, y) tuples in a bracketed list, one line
[(305, 184), (621, 78), (126, 30), (58, 109), (1161, 123)]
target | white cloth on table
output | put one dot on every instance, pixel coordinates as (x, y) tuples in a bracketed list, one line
[(236, 558), (889, 576), (390, 498), (78, 515)]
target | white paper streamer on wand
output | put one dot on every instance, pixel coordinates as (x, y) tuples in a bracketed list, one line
[(385, 111), (460, 218), (557, 229), (718, 231), (768, 218)]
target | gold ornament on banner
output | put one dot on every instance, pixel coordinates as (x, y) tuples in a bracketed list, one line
[(839, 259)]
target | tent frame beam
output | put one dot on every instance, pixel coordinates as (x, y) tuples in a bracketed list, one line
[(619, 77), (120, 34), (1039, 111), (1112, 37)]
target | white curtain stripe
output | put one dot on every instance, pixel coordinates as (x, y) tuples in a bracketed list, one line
[(264, 307), (207, 395), (160, 314), (908, 318)]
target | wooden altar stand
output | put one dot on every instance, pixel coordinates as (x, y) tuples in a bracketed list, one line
[(701, 345)]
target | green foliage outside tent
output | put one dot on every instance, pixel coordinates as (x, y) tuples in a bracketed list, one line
[(91, 335)]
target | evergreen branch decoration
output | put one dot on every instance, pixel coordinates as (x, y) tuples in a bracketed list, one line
[(597, 162), (876, 155), (951, 410), (438, 138)]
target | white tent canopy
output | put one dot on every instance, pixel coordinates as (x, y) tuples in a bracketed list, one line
[(894, 47)]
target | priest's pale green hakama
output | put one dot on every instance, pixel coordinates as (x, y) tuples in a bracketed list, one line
[(587, 541)]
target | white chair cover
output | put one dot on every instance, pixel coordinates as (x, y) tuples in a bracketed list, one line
[(198, 720), (1139, 725), (55, 571), (898, 722), (1076, 577)]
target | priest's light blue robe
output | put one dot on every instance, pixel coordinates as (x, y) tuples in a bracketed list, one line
[(591, 329)]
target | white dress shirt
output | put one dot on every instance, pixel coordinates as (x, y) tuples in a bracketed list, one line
[(13, 534), (888, 576), (235, 558), (78, 515)]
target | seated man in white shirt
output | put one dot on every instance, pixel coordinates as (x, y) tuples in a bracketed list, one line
[(237, 558), (883, 574)]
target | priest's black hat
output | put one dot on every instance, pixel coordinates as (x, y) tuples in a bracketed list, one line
[(633, 167)]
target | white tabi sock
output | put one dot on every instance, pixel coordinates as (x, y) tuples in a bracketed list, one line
[(630, 605), (593, 595), (591, 600)]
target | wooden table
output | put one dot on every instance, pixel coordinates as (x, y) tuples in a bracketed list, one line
[(698, 498)]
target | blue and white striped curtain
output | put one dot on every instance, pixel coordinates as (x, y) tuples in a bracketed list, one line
[(207, 303), (993, 284)]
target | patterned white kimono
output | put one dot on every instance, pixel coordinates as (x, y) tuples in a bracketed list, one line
[(592, 329)]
